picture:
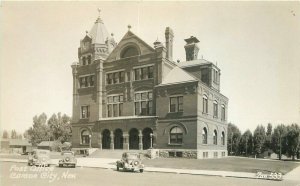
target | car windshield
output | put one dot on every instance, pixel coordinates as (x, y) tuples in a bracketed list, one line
[(132, 156), (68, 153), (42, 152)]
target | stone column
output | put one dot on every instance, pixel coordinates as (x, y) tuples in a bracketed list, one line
[(99, 141), (140, 140), (125, 141), (112, 140)]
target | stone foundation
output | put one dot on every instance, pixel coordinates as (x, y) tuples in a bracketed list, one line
[(192, 154)]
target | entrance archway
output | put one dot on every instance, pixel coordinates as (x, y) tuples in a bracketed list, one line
[(134, 139), (106, 139), (118, 139), (147, 138)]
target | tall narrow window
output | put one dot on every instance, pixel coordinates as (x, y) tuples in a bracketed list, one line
[(176, 135), (215, 109), (85, 137), (176, 104), (223, 112), (205, 104), (145, 73), (215, 136), (137, 74), (223, 138), (89, 59), (150, 72), (85, 112), (84, 60), (204, 135)]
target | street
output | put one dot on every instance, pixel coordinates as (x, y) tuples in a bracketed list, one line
[(20, 174)]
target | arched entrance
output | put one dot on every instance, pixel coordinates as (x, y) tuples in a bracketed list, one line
[(118, 139), (134, 139), (106, 139), (147, 138)]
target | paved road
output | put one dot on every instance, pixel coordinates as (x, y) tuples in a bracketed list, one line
[(10, 173)]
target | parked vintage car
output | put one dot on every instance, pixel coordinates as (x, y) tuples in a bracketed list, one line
[(130, 161), (68, 159), (39, 157)]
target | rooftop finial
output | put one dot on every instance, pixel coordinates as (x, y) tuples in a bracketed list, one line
[(86, 32), (129, 27)]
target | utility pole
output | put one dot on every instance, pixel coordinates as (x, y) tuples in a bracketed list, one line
[(246, 145)]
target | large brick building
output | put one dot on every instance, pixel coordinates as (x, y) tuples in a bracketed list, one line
[(132, 95)]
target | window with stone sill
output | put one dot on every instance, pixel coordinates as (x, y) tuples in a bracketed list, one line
[(215, 109), (85, 137), (205, 104), (176, 104), (223, 112), (115, 77), (204, 135), (143, 104), (215, 137), (86, 81), (176, 135), (143, 73), (115, 106), (85, 112)]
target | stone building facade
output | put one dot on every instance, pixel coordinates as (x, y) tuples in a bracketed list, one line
[(131, 95)]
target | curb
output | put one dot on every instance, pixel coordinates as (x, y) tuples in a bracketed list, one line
[(154, 171)]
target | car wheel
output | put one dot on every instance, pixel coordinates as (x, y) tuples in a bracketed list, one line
[(141, 170), (60, 165)]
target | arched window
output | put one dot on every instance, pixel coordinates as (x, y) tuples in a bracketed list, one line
[(85, 137), (89, 59), (223, 138), (129, 52), (215, 135), (215, 109), (205, 104), (204, 136), (176, 135)]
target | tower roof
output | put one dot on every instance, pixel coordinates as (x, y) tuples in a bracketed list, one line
[(98, 33)]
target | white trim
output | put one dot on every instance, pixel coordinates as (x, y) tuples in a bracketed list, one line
[(142, 66), (113, 71), (127, 117), (86, 75)]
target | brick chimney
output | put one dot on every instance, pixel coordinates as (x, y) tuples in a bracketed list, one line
[(191, 48), (169, 43)]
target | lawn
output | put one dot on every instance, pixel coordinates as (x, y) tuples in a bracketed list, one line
[(234, 164)]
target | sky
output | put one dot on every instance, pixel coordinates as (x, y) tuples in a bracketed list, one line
[(255, 44)]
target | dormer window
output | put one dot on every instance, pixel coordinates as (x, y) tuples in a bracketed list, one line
[(129, 52)]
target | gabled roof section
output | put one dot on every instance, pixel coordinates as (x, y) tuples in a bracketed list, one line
[(130, 39), (177, 76)]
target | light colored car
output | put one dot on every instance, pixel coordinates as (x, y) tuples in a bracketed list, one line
[(39, 157), (68, 159), (130, 161)]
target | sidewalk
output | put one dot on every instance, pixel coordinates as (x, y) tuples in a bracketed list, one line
[(110, 164), (293, 175)]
